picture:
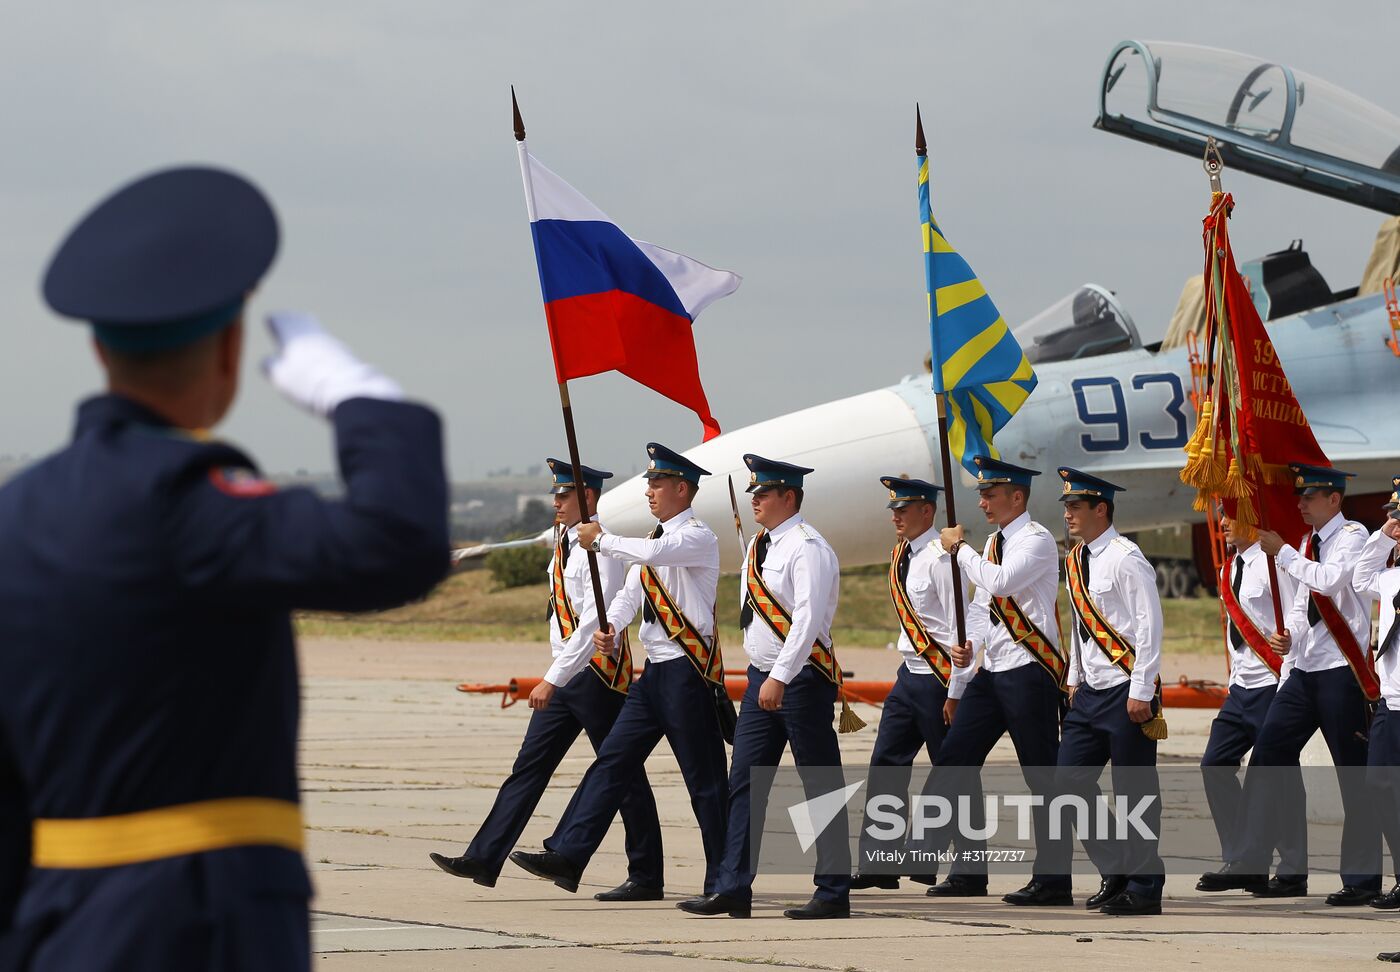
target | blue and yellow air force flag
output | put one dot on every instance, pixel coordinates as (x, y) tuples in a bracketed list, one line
[(976, 360)]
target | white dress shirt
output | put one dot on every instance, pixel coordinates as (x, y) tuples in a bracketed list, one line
[(1123, 585), (930, 587), (686, 557), (1373, 579), (1030, 572), (801, 571), (572, 656), (1313, 648), (1257, 602)]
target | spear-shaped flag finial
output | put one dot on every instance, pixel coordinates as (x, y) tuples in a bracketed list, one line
[(519, 122), (920, 146)]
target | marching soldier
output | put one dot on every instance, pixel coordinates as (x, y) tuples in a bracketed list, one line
[(1330, 687), (583, 691), (148, 683), (916, 713), (1115, 692), (1019, 688), (673, 579), (1256, 669), (1376, 576), (790, 590)]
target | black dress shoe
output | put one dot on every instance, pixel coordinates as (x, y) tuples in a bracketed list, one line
[(1132, 903), (710, 905), (550, 866), (1232, 877), (1281, 887), (958, 886), (1388, 956), (864, 882), (466, 867), (1350, 896), (1390, 901), (818, 908), (1037, 894), (630, 891), (1110, 887)]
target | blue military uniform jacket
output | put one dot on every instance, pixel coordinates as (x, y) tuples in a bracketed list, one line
[(146, 650)]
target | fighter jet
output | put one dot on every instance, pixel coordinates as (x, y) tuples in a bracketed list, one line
[(1106, 402)]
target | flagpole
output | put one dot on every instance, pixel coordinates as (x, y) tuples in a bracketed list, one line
[(738, 524), (1214, 165), (950, 505), (565, 405)]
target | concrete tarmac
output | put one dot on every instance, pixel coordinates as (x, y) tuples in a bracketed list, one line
[(396, 763)]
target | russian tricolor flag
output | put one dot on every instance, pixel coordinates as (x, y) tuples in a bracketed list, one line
[(614, 303)]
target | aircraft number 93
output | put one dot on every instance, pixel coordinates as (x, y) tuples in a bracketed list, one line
[(1158, 405)]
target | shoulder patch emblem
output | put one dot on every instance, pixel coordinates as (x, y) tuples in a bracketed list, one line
[(240, 482)]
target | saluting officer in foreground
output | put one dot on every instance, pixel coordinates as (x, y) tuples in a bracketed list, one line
[(1330, 687), (148, 682), (1256, 669), (673, 579), (1019, 688), (1115, 692), (583, 691), (789, 595), (1376, 577), (916, 711)]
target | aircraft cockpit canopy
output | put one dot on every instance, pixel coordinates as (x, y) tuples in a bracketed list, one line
[(1087, 323), (1268, 119)]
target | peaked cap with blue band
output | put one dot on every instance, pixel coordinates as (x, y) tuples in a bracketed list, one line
[(563, 472), (768, 473), (164, 260), (994, 472), (1082, 486), (662, 461), (906, 491), (1308, 478)]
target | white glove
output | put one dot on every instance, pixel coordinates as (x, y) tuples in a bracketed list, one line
[(315, 370)]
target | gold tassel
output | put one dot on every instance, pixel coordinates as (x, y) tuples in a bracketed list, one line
[(849, 721), (1155, 728), (1196, 447), (1234, 484), (1203, 502)]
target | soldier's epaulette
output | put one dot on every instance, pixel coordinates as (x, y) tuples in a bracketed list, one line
[(1125, 542), (694, 521), (1353, 527), (806, 534), (1034, 527)]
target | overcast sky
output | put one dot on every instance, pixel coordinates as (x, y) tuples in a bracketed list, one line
[(770, 138)]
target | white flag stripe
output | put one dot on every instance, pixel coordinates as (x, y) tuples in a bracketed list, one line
[(556, 199), (697, 285)]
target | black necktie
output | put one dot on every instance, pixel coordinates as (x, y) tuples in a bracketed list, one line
[(746, 615), (1084, 634), (649, 613), (1236, 637), (1314, 553), (1393, 636), (998, 543)]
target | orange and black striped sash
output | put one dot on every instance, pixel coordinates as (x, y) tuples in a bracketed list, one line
[(1114, 646), (915, 630), (1024, 631), (616, 673), (704, 655), (779, 619)]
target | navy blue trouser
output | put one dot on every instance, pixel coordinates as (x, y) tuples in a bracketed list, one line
[(911, 719), (670, 700), (1097, 730), (1024, 702), (585, 705), (805, 722), (222, 911), (1308, 701), (1383, 771), (1232, 734)]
